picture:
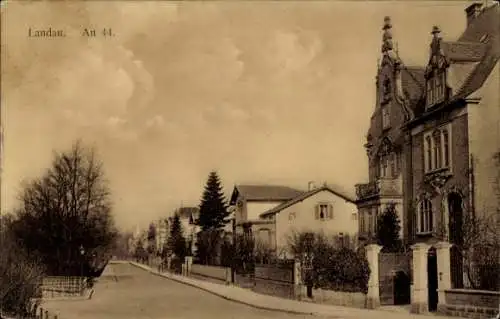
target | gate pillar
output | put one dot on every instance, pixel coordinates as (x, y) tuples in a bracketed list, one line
[(373, 295), (444, 270), (419, 291)]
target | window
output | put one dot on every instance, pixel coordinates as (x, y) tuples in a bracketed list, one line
[(428, 145), (437, 149), (446, 148), (385, 116), (425, 217), (362, 222), (430, 91), (393, 165), (354, 216), (340, 240), (324, 211), (291, 216), (388, 165), (370, 221), (436, 87)]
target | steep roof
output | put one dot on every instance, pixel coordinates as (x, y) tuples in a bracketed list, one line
[(305, 195), (265, 192), (463, 51), (413, 82), (472, 57), (187, 212)]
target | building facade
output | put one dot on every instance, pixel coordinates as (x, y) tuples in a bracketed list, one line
[(322, 210), (437, 129)]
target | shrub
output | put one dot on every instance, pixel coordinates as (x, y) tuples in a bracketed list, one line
[(333, 267), (19, 275)]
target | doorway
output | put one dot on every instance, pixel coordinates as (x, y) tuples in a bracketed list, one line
[(432, 279), (402, 288)]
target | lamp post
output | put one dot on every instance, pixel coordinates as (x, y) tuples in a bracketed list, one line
[(82, 253)]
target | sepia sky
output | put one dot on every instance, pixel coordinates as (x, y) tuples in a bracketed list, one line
[(262, 92)]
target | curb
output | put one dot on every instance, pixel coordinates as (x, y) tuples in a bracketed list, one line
[(226, 297)]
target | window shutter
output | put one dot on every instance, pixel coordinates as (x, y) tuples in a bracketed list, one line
[(330, 211), (316, 213)]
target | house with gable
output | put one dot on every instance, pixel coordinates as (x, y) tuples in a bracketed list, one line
[(322, 210), (188, 217), (248, 202), (434, 136)]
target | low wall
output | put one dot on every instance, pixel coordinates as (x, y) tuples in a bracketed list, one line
[(470, 303), (336, 298), (220, 274), (276, 280), (244, 281)]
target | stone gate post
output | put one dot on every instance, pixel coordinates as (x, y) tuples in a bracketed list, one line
[(444, 272), (420, 294), (189, 264), (373, 295)]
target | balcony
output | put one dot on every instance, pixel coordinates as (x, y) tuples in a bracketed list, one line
[(382, 187)]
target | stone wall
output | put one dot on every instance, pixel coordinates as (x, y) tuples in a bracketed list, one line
[(470, 303), (214, 273), (337, 298)]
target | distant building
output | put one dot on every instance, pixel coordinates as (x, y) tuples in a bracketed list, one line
[(272, 213), (189, 218), (322, 210)]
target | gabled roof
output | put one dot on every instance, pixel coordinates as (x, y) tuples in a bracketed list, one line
[(472, 57), (264, 193), (188, 212), (305, 195), (413, 82)]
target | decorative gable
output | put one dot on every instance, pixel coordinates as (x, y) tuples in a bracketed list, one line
[(435, 73)]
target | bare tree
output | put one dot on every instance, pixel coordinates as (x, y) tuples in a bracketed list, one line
[(65, 215), (480, 250)]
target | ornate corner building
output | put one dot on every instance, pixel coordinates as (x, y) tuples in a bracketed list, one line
[(434, 134)]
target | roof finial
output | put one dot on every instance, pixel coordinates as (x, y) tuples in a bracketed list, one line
[(387, 36), (435, 31)]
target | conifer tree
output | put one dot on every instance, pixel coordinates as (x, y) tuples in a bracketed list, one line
[(213, 207), (176, 241), (388, 228)]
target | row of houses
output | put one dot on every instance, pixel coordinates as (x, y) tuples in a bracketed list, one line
[(431, 146)]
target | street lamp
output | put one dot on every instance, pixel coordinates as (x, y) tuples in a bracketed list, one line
[(82, 252)]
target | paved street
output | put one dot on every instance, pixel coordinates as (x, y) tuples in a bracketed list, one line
[(138, 294)]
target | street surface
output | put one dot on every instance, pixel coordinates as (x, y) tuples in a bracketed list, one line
[(138, 294)]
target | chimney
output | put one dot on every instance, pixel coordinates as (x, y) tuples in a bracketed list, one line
[(311, 185), (473, 11)]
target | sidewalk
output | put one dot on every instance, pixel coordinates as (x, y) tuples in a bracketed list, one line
[(266, 302)]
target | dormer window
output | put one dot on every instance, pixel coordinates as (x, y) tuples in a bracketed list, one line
[(386, 123), (436, 88)]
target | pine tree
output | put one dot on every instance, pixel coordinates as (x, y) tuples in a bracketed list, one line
[(176, 241), (388, 228), (213, 207), (151, 238)]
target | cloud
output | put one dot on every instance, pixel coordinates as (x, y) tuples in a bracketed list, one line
[(274, 92)]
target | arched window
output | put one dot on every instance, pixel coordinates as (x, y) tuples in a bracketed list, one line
[(425, 217), (428, 143)]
